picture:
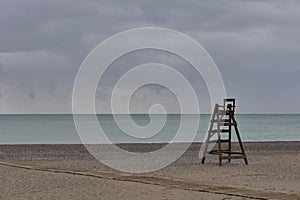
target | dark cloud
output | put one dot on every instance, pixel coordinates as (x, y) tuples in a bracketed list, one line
[(103, 93), (32, 94), (254, 43)]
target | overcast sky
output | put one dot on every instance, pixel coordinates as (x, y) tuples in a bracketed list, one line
[(255, 45)]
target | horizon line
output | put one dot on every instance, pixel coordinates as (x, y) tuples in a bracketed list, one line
[(143, 113)]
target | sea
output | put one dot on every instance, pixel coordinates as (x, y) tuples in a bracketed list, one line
[(60, 129)]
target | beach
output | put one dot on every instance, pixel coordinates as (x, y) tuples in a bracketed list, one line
[(70, 172)]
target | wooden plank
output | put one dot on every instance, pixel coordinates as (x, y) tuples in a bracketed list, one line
[(216, 131), (234, 157)]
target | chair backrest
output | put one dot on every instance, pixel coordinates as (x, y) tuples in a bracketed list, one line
[(229, 104)]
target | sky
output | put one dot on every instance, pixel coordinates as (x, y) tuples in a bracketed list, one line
[(255, 45)]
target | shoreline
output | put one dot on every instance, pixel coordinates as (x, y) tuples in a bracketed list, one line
[(79, 151), (252, 145), (146, 143)]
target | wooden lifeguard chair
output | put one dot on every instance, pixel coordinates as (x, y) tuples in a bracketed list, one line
[(222, 121)]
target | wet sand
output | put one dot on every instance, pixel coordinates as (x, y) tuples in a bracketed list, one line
[(70, 172)]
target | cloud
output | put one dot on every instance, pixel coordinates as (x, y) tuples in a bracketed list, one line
[(254, 43), (32, 94)]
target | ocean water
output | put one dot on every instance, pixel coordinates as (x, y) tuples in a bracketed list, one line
[(60, 129)]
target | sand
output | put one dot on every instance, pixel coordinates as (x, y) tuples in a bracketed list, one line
[(69, 172)]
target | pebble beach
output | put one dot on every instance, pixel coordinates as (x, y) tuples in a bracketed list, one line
[(70, 172)]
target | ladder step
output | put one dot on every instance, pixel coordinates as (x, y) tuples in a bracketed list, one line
[(216, 152), (232, 152), (215, 141), (220, 120), (227, 124), (234, 157), (222, 131), (224, 123), (229, 99)]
